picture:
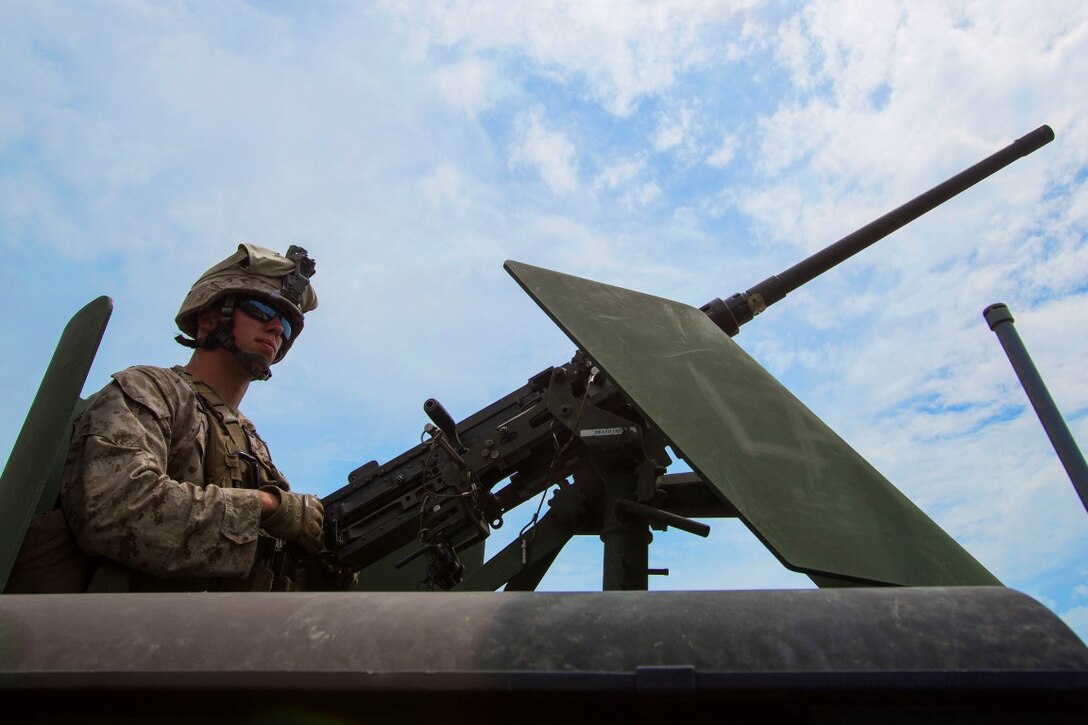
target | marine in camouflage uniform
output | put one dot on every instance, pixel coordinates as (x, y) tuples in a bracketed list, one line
[(166, 484)]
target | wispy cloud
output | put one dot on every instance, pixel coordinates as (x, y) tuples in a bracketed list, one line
[(620, 51), (548, 151)]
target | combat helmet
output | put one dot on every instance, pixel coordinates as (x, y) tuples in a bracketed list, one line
[(252, 272)]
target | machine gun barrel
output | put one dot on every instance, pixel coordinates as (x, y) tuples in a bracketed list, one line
[(445, 492), (738, 309)]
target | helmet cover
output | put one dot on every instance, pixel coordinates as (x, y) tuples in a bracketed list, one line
[(257, 273)]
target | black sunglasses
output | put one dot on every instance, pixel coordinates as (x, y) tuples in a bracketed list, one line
[(265, 313)]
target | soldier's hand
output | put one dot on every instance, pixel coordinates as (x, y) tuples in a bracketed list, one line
[(299, 518)]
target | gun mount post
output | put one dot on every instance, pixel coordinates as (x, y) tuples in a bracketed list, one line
[(738, 309), (626, 539), (1001, 321)]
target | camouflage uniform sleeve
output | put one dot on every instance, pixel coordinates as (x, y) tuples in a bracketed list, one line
[(133, 484)]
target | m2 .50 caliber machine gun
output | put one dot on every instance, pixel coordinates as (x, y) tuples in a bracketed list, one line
[(652, 374)]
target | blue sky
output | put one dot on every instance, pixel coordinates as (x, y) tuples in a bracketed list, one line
[(687, 149)]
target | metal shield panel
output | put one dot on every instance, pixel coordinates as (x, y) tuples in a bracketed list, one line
[(814, 502), (31, 478)]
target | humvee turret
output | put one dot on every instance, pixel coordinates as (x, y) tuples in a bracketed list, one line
[(905, 624)]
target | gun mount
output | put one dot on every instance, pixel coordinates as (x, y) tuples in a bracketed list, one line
[(542, 433), (575, 422)]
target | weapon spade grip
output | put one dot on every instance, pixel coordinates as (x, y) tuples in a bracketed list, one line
[(440, 417)]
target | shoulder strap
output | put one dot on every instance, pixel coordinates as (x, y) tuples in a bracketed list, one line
[(229, 457), (225, 414)]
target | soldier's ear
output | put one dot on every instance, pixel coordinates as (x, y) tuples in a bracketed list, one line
[(207, 320)]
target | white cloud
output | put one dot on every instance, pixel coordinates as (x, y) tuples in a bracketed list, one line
[(619, 174), (723, 155), (582, 247), (623, 50), (443, 185), (469, 85), (850, 45), (549, 152), (876, 79), (672, 131), (627, 177), (642, 195)]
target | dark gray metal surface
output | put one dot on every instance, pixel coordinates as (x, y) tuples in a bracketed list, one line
[(879, 630), (957, 655), (818, 506)]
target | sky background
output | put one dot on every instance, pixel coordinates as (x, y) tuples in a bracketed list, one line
[(687, 149)]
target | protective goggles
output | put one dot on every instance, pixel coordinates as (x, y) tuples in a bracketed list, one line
[(265, 313)]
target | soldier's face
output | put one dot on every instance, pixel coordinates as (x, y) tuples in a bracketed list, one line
[(258, 336)]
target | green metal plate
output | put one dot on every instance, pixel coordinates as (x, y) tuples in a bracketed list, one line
[(815, 503), (31, 478)]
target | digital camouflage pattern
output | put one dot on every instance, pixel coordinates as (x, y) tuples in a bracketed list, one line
[(134, 486)]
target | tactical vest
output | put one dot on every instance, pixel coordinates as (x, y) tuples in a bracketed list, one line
[(51, 562), (229, 463), (228, 459)]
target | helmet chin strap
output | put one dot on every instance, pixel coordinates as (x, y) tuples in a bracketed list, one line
[(223, 337), (251, 362)]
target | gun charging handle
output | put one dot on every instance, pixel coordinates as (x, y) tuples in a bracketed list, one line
[(441, 418)]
